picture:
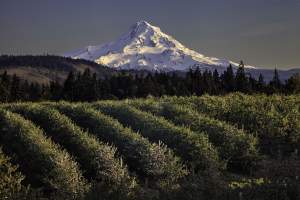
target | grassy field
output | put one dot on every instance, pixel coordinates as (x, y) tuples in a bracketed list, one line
[(208, 147)]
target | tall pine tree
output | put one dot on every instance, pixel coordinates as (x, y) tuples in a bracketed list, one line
[(228, 79), (241, 80), (293, 84), (69, 87), (275, 84)]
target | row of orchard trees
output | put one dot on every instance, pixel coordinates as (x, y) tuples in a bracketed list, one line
[(62, 161), (88, 87), (229, 147), (256, 135)]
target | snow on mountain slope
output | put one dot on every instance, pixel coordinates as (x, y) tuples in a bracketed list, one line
[(147, 47)]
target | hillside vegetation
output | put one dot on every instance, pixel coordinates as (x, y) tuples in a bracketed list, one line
[(46, 68), (233, 147), (54, 78)]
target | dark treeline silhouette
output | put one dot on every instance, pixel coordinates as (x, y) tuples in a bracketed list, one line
[(88, 87), (47, 61)]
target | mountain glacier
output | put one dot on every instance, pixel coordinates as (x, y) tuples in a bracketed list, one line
[(146, 47)]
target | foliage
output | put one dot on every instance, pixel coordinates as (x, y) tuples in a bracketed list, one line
[(97, 160), (11, 180), (154, 163), (234, 146), (274, 119), (43, 163), (256, 136), (92, 85), (193, 148)]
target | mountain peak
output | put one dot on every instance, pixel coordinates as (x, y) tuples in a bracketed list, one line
[(142, 23), (142, 27), (147, 47)]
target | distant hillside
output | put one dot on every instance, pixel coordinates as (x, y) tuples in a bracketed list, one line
[(46, 68)]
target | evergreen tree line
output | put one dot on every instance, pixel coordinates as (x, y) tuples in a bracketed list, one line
[(47, 61), (88, 87)]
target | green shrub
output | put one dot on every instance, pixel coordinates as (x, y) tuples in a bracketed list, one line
[(198, 129), (97, 160), (275, 121), (233, 144), (277, 128), (11, 180), (45, 165), (151, 162), (194, 148)]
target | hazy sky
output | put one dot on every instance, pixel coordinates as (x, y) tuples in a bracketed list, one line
[(260, 32)]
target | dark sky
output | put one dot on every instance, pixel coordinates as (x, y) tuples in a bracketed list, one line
[(260, 32)]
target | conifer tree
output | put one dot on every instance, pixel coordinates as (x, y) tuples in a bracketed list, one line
[(25, 87), (15, 92), (197, 82), (69, 84), (228, 79), (216, 83), (5, 84), (261, 85), (293, 84), (275, 84), (241, 80), (55, 91)]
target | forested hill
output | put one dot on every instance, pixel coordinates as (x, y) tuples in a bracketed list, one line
[(47, 68), (43, 69)]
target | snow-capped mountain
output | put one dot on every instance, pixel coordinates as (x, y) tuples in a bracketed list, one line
[(147, 47)]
